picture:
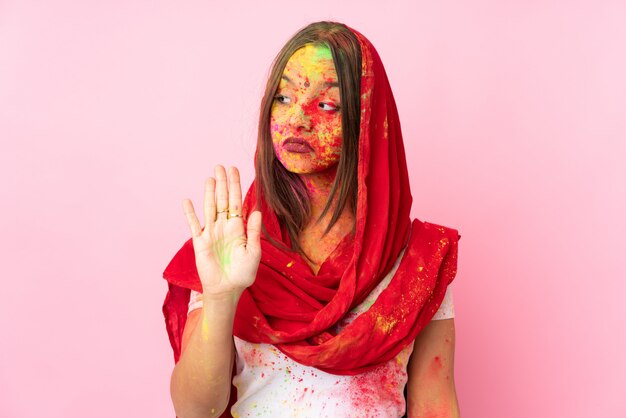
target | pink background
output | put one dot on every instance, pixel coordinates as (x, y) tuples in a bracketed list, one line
[(111, 113)]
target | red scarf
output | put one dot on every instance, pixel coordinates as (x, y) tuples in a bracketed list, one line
[(293, 309)]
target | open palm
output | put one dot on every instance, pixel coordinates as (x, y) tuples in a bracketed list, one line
[(227, 258)]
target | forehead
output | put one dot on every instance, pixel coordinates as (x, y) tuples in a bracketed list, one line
[(311, 60)]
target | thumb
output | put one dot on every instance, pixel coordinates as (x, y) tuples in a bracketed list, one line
[(254, 231)]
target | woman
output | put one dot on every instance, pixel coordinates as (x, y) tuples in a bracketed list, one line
[(318, 284)]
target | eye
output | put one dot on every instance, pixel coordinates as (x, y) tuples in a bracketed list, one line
[(331, 107), (281, 99)]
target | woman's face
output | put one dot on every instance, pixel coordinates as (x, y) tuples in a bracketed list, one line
[(305, 120)]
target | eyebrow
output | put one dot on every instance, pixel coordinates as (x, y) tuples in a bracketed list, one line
[(326, 83)]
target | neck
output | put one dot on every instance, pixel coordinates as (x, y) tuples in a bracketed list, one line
[(318, 186)]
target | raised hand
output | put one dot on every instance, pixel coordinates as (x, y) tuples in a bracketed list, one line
[(227, 258)]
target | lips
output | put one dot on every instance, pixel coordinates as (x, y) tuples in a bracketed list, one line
[(293, 144)]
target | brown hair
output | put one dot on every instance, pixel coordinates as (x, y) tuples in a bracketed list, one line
[(284, 191)]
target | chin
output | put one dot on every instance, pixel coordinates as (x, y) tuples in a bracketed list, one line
[(306, 168), (298, 169), (304, 164)]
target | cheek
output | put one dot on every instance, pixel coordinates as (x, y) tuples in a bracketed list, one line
[(273, 120), (276, 128), (331, 136)]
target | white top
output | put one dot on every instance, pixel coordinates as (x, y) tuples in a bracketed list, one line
[(270, 384)]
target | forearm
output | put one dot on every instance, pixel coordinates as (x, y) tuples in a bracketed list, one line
[(435, 404), (201, 380)]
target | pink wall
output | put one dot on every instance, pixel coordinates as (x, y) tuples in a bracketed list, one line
[(111, 113)]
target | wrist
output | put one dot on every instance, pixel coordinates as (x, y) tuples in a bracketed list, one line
[(229, 298)]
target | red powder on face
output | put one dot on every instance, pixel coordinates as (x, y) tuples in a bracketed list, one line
[(317, 109)]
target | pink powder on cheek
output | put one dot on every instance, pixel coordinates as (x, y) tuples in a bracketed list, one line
[(328, 140)]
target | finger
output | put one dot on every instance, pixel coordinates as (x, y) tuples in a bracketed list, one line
[(192, 219), (222, 191), (234, 191), (254, 231), (209, 201)]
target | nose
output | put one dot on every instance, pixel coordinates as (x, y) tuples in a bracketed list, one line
[(299, 120)]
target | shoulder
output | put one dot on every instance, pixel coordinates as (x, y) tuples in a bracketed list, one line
[(442, 230)]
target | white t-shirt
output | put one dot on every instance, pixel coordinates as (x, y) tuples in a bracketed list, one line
[(270, 384)]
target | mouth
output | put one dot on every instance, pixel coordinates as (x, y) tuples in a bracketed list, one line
[(298, 145)]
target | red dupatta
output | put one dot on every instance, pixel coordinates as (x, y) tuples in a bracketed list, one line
[(293, 309)]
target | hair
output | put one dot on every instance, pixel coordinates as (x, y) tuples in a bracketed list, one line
[(285, 192)]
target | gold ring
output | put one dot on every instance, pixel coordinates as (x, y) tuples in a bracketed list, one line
[(222, 211), (234, 215)]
